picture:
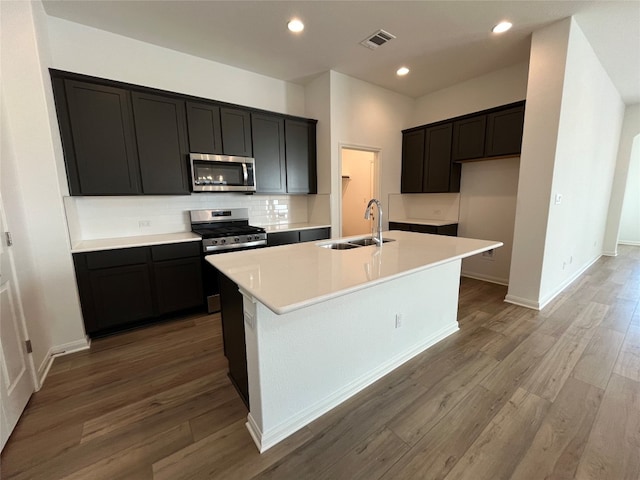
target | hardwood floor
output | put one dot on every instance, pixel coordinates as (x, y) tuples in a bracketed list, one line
[(515, 394)]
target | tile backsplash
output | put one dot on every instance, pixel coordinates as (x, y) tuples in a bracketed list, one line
[(92, 218)]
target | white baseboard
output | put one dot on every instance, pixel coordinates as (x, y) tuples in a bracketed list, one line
[(629, 242), (58, 351), (266, 440), (523, 302), (486, 278), (612, 253), (541, 303)]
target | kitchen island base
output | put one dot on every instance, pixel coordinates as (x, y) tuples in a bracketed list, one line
[(303, 363)]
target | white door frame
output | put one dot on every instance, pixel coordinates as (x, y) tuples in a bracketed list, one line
[(377, 181)]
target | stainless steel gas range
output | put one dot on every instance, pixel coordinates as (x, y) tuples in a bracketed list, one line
[(223, 230)]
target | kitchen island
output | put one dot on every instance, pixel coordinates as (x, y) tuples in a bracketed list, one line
[(321, 324)]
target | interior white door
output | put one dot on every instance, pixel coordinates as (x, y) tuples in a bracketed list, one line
[(16, 380)]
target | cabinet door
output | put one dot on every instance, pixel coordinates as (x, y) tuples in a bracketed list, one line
[(121, 295), (469, 138), (98, 137), (412, 161), (178, 284), (235, 348), (300, 146), (504, 132), (205, 131), (315, 234), (114, 287), (236, 132), (282, 238), (162, 148), (267, 132), (437, 169)]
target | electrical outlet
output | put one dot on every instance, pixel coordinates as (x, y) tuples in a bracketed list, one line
[(398, 320), (558, 198), (144, 223), (488, 254)]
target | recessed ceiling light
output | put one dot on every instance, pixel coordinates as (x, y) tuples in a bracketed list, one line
[(502, 27), (295, 25), (402, 71)]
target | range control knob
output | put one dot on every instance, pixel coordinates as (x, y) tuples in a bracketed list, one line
[(236, 239), (223, 241), (214, 242)]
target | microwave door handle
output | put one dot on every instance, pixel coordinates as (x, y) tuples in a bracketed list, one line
[(245, 174)]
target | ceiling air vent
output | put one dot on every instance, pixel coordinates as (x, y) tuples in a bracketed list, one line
[(377, 39)]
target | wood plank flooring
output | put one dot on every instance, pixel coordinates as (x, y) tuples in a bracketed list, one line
[(515, 394)]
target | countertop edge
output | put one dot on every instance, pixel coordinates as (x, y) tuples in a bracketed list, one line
[(97, 245), (291, 227), (339, 293), (424, 221)]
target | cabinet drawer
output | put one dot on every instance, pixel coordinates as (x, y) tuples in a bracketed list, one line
[(282, 238), (175, 250), (116, 258), (315, 234)]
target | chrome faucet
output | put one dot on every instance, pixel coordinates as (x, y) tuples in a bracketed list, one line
[(378, 237)]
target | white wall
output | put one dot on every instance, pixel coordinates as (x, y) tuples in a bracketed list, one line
[(503, 86), (87, 50), (365, 115), (424, 206), (571, 132), (31, 189), (630, 218), (488, 189), (588, 138), (623, 181)]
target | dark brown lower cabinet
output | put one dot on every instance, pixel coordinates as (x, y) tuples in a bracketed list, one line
[(235, 348), (450, 230), (124, 287), (297, 236), (120, 295)]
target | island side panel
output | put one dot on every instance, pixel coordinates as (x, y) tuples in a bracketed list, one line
[(303, 363)]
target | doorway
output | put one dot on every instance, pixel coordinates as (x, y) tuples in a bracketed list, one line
[(359, 171)]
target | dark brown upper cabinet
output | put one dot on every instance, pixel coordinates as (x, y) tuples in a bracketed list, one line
[(162, 146), (236, 132), (123, 139), (300, 154), (205, 131), (426, 160), (98, 138), (504, 132), (469, 138), (412, 161), (267, 132), (437, 162)]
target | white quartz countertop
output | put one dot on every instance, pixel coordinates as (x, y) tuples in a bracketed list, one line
[(290, 277), (425, 221), (288, 227), (137, 241)]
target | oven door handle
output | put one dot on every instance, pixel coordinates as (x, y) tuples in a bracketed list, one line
[(245, 174)]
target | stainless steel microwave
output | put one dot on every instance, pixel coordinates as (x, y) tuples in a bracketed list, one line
[(222, 173)]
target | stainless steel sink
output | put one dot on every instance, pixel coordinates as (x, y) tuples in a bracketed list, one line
[(363, 242), (340, 246), (360, 242)]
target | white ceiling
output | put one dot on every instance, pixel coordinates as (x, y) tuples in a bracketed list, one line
[(442, 42)]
